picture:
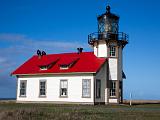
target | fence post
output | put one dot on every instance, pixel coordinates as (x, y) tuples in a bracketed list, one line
[(130, 102)]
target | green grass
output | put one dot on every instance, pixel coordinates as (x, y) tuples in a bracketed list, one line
[(13, 111)]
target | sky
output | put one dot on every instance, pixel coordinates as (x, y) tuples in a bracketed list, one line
[(59, 26)]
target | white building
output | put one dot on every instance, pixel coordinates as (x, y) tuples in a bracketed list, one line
[(83, 77)]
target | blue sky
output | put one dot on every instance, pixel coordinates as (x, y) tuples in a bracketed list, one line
[(61, 26)]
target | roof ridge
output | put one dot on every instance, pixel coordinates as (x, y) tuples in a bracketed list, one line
[(66, 53)]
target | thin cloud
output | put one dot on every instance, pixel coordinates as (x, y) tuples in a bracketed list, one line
[(2, 60), (23, 42), (5, 64), (12, 37), (56, 45)]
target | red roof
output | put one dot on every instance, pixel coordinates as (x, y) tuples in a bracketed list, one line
[(46, 60), (68, 60), (84, 62)]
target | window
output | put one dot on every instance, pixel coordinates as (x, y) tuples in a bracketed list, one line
[(112, 51), (98, 88), (64, 67), (86, 88), (112, 88), (43, 67), (63, 88), (42, 88), (23, 84), (67, 62)]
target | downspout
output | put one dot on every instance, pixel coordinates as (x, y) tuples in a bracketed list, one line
[(94, 88)]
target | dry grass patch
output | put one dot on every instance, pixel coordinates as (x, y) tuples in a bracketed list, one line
[(13, 111)]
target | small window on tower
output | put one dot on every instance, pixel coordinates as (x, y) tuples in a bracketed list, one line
[(112, 51), (112, 88)]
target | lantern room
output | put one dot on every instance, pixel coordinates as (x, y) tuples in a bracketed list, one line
[(108, 22), (108, 29)]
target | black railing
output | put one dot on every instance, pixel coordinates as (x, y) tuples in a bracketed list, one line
[(93, 37)]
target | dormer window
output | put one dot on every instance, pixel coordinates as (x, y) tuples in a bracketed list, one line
[(67, 63), (64, 67), (43, 67), (112, 51), (46, 63)]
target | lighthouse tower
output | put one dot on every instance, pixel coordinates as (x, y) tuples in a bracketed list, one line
[(108, 43)]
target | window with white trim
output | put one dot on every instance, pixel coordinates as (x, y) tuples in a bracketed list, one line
[(42, 88), (23, 85), (112, 88), (98, 88), (63, 88), (86, 88), (112, 51)]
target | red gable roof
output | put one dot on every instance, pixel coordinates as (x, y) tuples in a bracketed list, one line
[(86, 62)]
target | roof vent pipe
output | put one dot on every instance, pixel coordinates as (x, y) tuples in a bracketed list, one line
[(43, 53), (39, 54), (80, 50)]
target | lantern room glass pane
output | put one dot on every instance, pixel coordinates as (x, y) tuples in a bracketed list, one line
[(107, 24)]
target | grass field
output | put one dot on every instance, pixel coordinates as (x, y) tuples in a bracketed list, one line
[(13, 111)]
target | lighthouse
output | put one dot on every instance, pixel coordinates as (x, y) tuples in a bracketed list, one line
[(78, 77), (109, 43)]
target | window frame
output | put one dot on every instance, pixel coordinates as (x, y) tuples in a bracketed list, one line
[(112, 51), (40, 95), (23, 81), (60, 95), (113, 88), (98, 88), (89, 89)]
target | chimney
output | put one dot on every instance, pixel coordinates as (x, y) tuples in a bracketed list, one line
[(80, 50)]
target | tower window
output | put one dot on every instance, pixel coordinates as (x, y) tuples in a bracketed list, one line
[(112, 51), (112, 88)]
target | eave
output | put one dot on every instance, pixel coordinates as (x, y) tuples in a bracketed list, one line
[(54, 73)]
